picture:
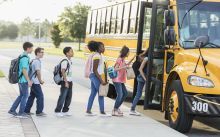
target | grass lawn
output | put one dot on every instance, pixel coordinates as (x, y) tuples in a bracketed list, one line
[(49, 48), (1, 74), (59, 51)]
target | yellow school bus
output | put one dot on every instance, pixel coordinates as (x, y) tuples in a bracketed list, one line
[(183, 42)]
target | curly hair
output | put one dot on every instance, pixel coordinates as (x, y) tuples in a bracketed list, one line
[(93, 46)]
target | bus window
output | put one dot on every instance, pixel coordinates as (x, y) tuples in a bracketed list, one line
[(108, 17), (88, 27), (102, 27), (126, 17), (98, 21), (119, 17), (113, 19), (138, 17), (147, 23), (133, 16), (94, 15)]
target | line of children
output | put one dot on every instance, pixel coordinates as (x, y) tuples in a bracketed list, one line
[(97, 77)]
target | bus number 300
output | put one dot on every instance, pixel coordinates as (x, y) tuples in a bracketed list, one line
[(199, 106)]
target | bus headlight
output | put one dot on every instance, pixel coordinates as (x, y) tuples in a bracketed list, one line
[(200, 82)]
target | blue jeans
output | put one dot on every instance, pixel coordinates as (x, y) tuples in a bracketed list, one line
[(65, 98), (21, 99), (95, 83), (36, 92), (140, 86), (122, 93)]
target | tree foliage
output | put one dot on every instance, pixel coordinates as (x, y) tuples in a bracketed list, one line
[(13, 31), (26, 27), (56, 36), (72, 22)]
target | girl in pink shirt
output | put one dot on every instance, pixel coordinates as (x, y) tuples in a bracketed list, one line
[(120, 80)]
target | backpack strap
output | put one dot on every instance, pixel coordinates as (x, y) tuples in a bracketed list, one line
[(35, 73), (19, 58), (68, 65)]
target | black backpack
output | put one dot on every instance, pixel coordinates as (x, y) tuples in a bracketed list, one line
[(13, 75), (57, 76)]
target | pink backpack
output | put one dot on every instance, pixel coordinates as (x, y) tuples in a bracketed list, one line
[(88, 66)]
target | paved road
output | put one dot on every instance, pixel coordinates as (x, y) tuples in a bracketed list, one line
[(211, 128)]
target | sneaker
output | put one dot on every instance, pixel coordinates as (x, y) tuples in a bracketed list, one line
[(90, 114), (134, 113), (42, 114), (67, 114), (116, 113), (22, 116), (103, 114), (155, 101), (59, 114), (29, 113), (13, 113), (120, 112)]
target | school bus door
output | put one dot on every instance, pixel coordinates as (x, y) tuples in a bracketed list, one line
[(154, 83)]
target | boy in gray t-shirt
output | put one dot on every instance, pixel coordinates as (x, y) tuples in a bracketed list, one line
[(36, 90)]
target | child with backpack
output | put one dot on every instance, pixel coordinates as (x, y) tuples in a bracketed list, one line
[(66, 83), (21, 77), (96, 75), (119, 82), (36, 90), (141, 79)]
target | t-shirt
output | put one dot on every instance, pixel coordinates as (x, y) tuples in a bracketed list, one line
[(23, 64), (101, 65), (68, 71), (122, 74), (35, 66)]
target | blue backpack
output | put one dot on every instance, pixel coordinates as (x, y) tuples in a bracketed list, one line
[(112, 73)]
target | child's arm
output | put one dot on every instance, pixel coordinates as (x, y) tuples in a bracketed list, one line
[(141, 69)]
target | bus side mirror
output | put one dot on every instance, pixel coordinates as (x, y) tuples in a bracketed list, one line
[(169, 36), (169, 18), (201, 41)]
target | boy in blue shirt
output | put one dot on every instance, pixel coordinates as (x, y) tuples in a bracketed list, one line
[(23, 83)]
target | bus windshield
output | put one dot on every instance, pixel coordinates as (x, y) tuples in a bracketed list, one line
[(201, 20)]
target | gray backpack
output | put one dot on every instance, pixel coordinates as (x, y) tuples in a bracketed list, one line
[(32, 74), (13, 75), (57, 76)]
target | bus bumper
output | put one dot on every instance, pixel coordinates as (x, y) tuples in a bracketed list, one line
[(203, 105)]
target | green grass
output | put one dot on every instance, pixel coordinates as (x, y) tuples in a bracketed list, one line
[(49, 47), (59, 52), (1, 74)]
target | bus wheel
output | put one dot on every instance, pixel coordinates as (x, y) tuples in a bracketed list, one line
[(177, 115)]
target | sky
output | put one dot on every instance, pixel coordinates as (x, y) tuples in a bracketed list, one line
[(17, 10)]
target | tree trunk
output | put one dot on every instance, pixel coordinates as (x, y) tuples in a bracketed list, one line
[(79, 44)]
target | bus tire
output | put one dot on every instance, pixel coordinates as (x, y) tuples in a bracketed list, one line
[(178, 117)]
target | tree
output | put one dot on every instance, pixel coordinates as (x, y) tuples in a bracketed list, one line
[(73, 22), (12, 31), (3, 31), (45, 28), (26, 27), (56, 36)]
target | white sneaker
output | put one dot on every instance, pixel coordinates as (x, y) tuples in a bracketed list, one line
[(116, 113), (90, 114), (22, 116), (134, 113), (67, 114), (105, 115), (59, 114)]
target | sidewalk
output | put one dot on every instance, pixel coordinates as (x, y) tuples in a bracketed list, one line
[(78, 125), (9, 125)]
